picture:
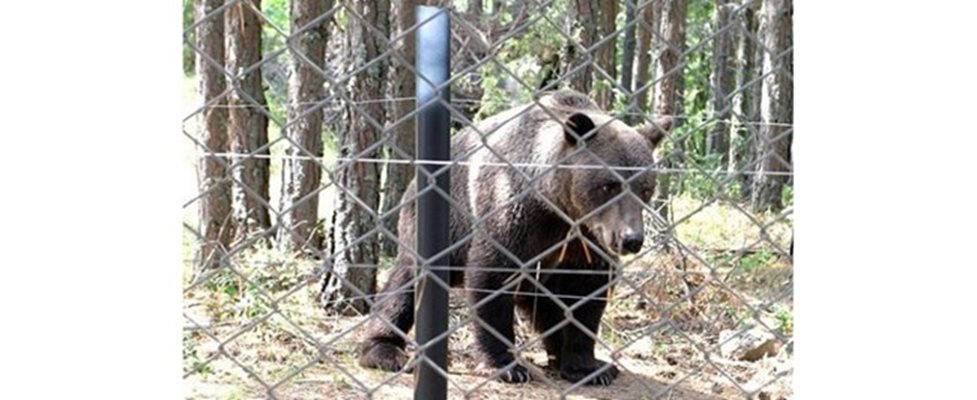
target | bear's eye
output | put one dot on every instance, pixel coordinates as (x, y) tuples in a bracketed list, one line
[(608, 187)]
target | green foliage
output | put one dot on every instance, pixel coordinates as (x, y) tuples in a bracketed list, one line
[(523, 56), (277, 13), (695, 105), (192, 360), (788, 194), (743, 316), (273, 35), (232, 296), (698, 41), (761, 258), (708, 177), (188, 55), (224, 282), (785, 322)]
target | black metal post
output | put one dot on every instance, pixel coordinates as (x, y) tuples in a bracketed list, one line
[(433, 143)]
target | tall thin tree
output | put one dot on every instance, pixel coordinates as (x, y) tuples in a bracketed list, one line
[(721, 82), (581, 23), (401, 144), (671, 61), (248, 126), (215, 202), (669, 91), (647, 33), (605, 75), (747, 100), (777, 107), (627, 56), (301, 168), (475, 7), (354, 242)]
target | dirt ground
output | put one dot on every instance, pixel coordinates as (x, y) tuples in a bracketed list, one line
[(266, 338)]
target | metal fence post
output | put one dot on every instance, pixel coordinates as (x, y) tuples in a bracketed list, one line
[(433, 143)]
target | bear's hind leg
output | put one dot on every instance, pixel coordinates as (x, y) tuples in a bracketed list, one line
[(383, 347)]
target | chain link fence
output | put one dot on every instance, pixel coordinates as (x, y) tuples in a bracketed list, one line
[(620, 199)]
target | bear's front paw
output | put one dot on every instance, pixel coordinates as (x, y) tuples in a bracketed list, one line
[(383, 356), (607, 374), (513, 374)]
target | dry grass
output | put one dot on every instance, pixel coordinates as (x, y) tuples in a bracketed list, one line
[(264, 320)]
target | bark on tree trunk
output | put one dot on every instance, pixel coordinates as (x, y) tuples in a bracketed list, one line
[(627, 58), (354, 243), (580, 23), (748, 99), (475, 7), (721, 83), (647, 32), (248, 121), (605, 73), (671, 64), (215, 204), (777, 107), (301, 177), (399, 175)]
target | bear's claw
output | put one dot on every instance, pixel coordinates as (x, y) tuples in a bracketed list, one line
[(514, 374), (607, 375)]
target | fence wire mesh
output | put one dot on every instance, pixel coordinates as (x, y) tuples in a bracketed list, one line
[(621, 199)]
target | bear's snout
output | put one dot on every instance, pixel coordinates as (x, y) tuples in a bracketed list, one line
[(632, 243)]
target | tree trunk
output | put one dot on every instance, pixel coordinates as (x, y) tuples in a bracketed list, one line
[(301, 177), (627, 58), (721, 83), (777, 107), (647, 32), (401, 145), (248, 122), (215, 203), (748, 99), (671, 64), (354, 243), (475, 7), (580, 23), (605, 73)]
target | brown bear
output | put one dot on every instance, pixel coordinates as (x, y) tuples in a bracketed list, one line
[(513, 223)]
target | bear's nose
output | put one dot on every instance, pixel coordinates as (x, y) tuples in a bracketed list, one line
[(632, 243)]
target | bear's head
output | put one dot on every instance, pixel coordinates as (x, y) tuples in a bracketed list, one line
[(610, 201)]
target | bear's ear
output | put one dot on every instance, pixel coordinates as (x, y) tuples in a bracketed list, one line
[(656, 130), (579, 126)]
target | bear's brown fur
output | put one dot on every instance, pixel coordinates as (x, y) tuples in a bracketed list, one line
[(517, 218)]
